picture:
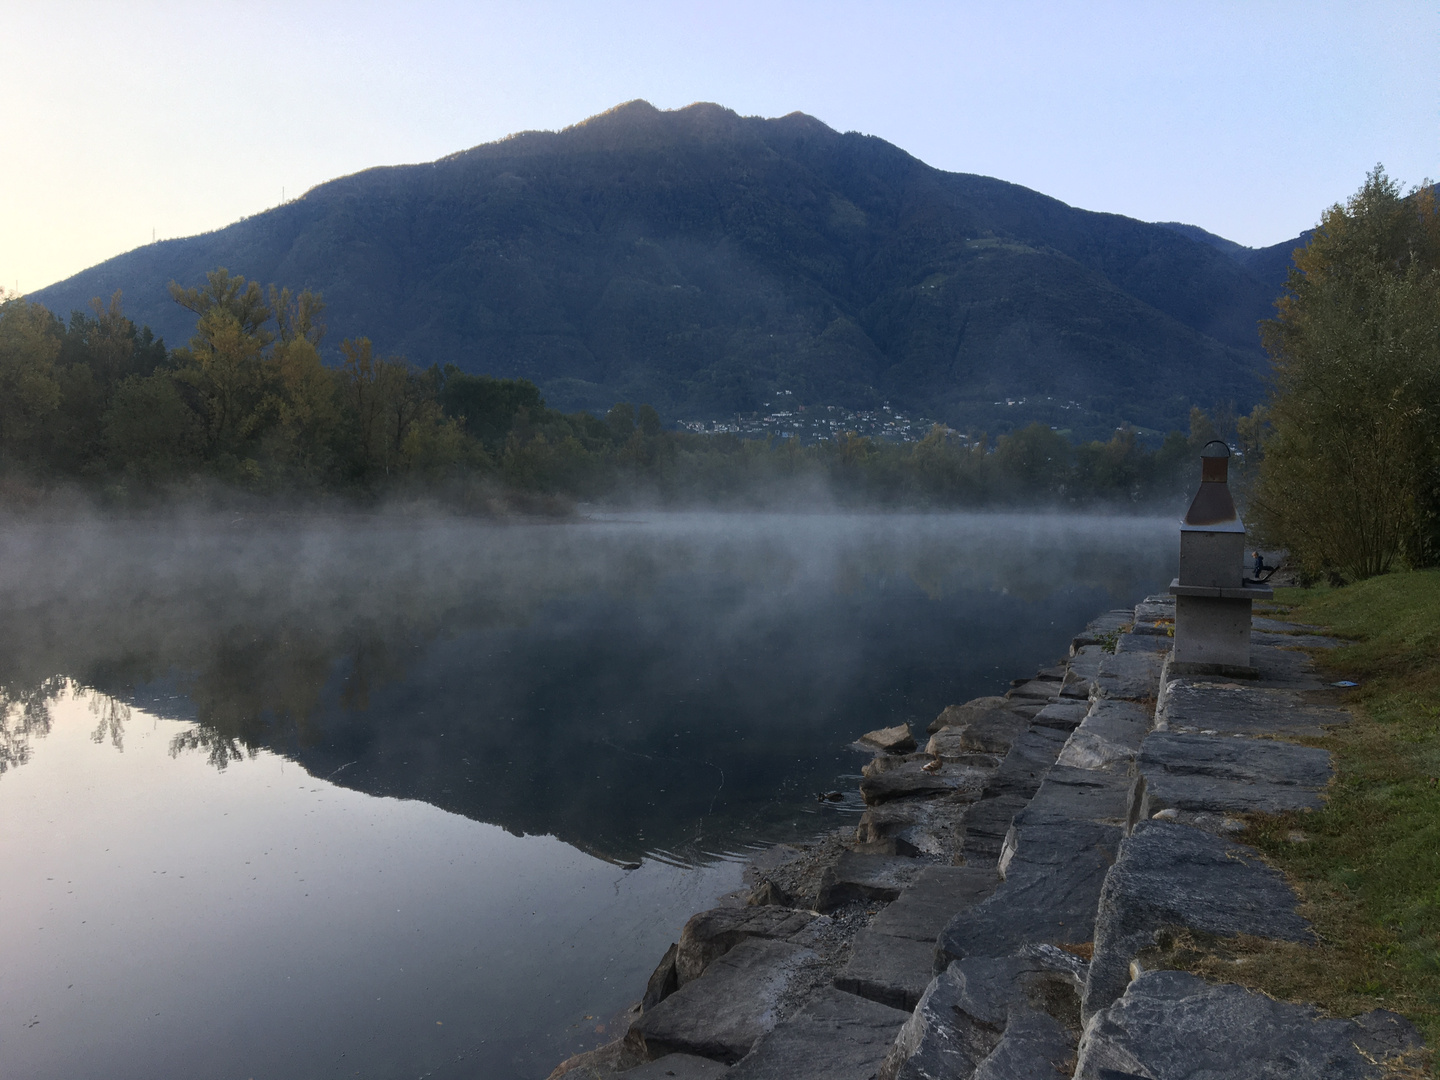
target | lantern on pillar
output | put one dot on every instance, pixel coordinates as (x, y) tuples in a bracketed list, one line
[(1212, 601)]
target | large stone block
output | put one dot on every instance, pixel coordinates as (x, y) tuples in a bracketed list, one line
[(678, 1067), (1102, 629), (918, 776), (711, 934), (961, 715), (865, 877), (1172, 876), (836, 1036), (1050, 893), (937, 894), (1170, 1025), (1228, 774), (1130, 676), (891, 970), (1012, 1017), (724, 1012), (1109, 737), (1227, 708)]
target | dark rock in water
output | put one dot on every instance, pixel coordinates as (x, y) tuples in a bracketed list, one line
[(711, 934), (1171, 876), (865, 877), (1012, 1017), (915, 826), (836, 1036), (929, 902), (1109, 737), (1228, 774), (1131, 676), (767, 894), (960, 715), (723, 1013), (663, 980), (678, 1067), (993, 731), (891, 970), (892, 740), (1190, 706), (892, 778), (1170, 1024), (1050, 893)]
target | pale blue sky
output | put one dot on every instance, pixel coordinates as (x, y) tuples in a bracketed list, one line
[(1244, 118)]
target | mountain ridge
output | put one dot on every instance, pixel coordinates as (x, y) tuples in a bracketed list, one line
[(702, 260)]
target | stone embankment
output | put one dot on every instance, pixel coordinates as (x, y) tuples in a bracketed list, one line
[(997, 911)]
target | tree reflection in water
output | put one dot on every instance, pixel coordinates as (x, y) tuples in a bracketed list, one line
[(677, 683)]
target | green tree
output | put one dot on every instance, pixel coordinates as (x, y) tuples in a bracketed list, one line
[(1350, 480), (29, 390)]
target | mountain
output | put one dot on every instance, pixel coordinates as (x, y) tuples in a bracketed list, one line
[(700, 261)]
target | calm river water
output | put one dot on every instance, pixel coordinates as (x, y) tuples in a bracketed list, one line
[(355, 796)]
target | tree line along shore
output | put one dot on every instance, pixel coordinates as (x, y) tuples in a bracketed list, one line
[(1341, 467)]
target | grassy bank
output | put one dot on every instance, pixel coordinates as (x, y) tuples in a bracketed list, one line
[(1367, 866)]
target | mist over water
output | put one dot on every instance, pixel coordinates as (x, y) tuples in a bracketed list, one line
[(518, 709)]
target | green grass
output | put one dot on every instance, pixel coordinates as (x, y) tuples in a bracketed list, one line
[(1367, 866)]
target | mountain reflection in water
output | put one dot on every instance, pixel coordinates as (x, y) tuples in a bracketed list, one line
[(626, 685)]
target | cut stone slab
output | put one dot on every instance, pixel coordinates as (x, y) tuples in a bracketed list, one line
[(1171, 1025), (1287, 669), (1050, 893), (1294, 641), (1063, 715), (1070, 794), (986, 825), (1027, 761), (1102, 629), (865, 877), (1154, 641), (1278, 626), (837, 1036), (1037, 689), (724, 1012), (889, 778), (937, 894), (678, 1067), (711, 934), (892, 740), (1227, 774), (1227, 708), (1014, 1017), (1085, 661), (961, 715), (891, 970), (1170, 876), (1131, 676), (1108, 738)]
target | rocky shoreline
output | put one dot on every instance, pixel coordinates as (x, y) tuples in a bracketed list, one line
[(1002, 907)]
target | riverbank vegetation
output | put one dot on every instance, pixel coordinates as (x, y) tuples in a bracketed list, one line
[(249, 404), (1367, 865), (1350, 482)]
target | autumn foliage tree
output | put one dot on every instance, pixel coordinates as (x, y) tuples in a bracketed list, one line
[(1350, 481)]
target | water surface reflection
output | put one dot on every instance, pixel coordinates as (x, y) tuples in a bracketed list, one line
[(660, 690)]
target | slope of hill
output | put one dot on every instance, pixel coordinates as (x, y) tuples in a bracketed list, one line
[(700, 261)]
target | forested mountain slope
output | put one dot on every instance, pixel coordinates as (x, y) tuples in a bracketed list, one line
[(700, 261)]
